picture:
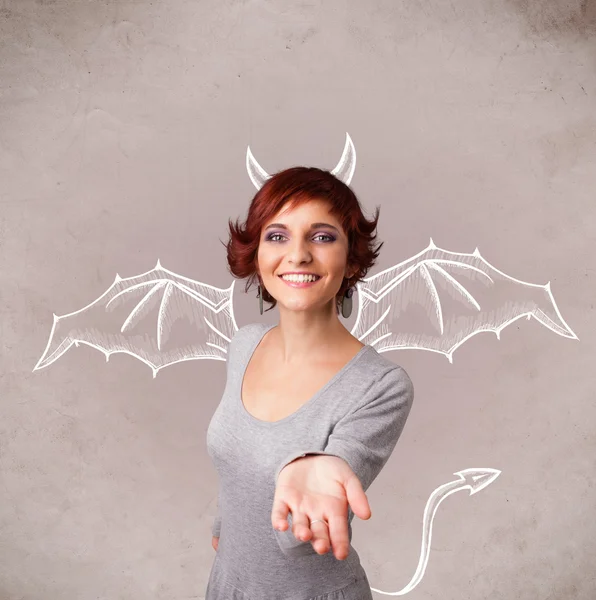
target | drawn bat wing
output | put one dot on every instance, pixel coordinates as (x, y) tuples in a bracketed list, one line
[(438, 299), (159, 317)]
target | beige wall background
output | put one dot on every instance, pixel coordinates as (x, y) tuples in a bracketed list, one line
[(123, 134)]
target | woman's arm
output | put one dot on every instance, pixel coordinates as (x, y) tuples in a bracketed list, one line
[(364, 439)]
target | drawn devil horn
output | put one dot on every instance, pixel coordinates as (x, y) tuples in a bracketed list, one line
[(344, 169)]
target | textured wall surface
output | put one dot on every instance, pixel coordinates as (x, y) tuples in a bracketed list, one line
[(123, 133)]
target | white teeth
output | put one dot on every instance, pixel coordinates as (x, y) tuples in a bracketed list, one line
[(299, 278)]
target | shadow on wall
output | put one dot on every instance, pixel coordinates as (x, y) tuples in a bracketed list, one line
[(558, 17)]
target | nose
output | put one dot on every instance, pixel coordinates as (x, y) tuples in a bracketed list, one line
[(298, 252)]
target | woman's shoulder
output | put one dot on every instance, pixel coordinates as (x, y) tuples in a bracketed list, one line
[(242, 341), (378, 361), (378, 368), (248, 334)]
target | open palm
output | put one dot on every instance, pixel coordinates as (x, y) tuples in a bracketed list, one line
[(319, 487)]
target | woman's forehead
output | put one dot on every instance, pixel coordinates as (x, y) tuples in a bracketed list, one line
[(309, 210)]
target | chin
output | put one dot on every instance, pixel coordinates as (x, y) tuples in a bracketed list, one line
[(302, 307), (295, 306), (298, 309)]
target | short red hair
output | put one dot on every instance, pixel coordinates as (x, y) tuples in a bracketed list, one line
[(296, 186)]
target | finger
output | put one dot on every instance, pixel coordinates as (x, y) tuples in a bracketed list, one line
[(338, 535), (301, 526), (279, 515), (357, 498), (320, 540)]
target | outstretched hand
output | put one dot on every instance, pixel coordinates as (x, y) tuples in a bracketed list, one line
[(319, 487)]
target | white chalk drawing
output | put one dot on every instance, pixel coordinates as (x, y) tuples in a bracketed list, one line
[(461, 294), (344, 170), (469, 479), (490, 300), (161, 295)]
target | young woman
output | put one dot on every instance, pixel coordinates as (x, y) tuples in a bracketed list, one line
[(309, 414)]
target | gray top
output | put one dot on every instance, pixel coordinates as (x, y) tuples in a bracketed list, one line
[(358, 416)]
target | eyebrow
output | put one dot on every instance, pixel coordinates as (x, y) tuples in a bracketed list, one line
[(313, 226)]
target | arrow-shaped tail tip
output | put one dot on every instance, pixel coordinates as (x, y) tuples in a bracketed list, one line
[(478, 478)]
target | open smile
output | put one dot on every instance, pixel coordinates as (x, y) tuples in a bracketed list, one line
[(300, 281)]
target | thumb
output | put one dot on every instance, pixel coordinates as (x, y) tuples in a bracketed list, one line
[(279, 514), (357, 498)]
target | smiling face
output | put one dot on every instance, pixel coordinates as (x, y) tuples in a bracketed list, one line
[(306, 239)]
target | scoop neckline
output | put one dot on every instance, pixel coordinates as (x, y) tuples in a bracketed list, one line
[(311, 401)]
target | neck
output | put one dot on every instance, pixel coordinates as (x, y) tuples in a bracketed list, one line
[(302, 336)]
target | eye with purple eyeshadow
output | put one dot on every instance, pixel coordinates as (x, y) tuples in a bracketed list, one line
[(270, 237), (330, 238)]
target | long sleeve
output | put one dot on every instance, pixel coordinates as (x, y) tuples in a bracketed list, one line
[(365, 438)]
